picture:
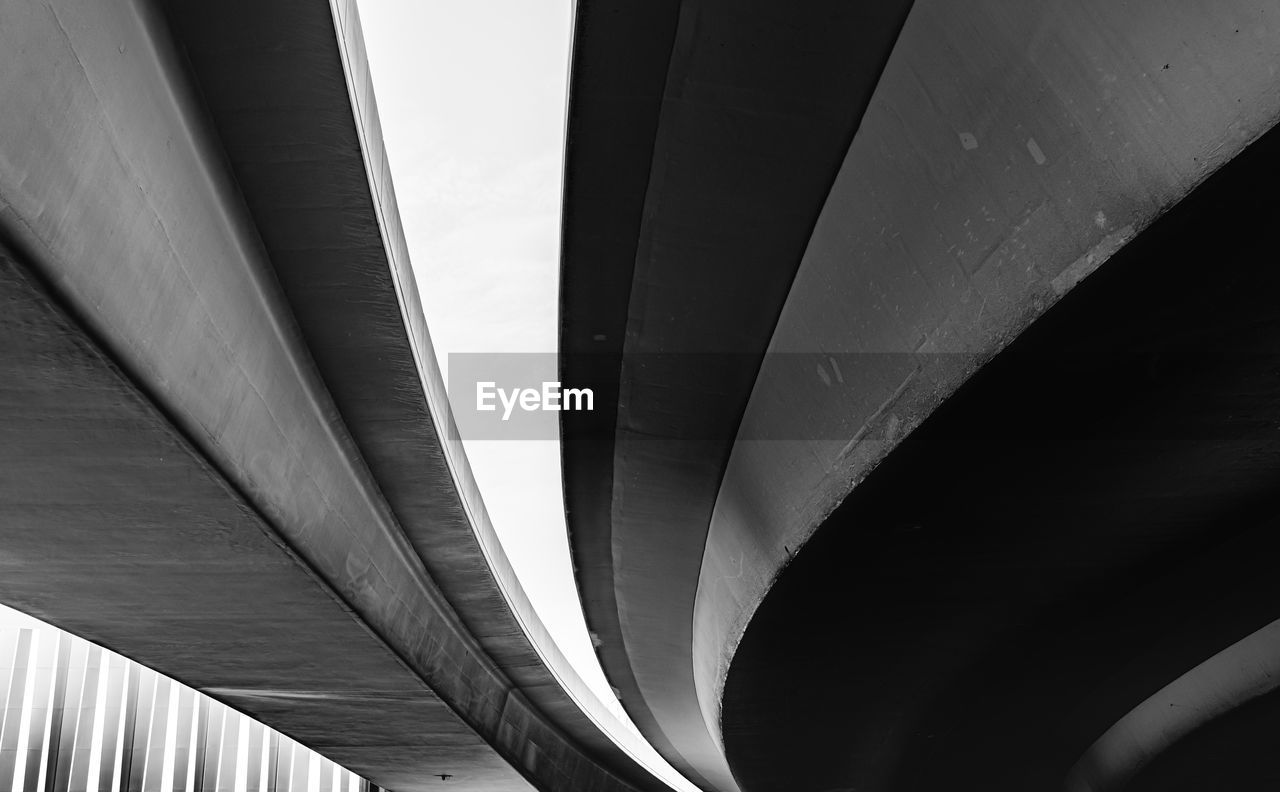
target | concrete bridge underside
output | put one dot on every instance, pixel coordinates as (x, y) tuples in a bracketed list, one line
[(223, 445), (1007, 152), (1064, 578)]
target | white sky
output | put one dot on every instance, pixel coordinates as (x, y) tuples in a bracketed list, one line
[(471, 97)]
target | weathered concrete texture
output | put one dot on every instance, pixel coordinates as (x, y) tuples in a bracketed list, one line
[(306, 149), (1088, 523), (114, 527), (1010, 149), (115, 191), (733, 117)]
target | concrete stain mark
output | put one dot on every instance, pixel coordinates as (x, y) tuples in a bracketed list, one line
[(823, 375), (891, 427), (835, 367), (1080, 269), (1036, 153), (1100, 220), (857, 445), (738, 562), (968, 141)]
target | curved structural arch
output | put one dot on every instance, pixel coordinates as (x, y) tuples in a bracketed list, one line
[(1242, 672), (702, 140), (1089, 516), (226, 446), (1007, 152)]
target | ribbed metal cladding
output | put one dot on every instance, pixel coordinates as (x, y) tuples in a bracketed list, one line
[(75, 717)]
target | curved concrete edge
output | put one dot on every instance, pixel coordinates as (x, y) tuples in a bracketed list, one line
[(114, 189), (606, 716), (618, 70), (117, 529), (732, 138), (953, 224), (118, 193), (1238, 674), (360, 87)]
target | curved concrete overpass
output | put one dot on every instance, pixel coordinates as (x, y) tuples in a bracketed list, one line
[(1062, 579), (1007, 152), (702, 140), (226, 445)]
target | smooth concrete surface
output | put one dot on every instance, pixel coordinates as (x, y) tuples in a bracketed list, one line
[(681, 241), (317, 182), (117, 529), (1244, 671), (1008, 151), (1236, 751), (620, 53), (1084, 523), (117, 199)]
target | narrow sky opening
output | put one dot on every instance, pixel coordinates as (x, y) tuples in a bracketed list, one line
[(472, 98)]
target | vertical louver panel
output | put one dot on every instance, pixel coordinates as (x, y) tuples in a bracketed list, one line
[(75, 717)]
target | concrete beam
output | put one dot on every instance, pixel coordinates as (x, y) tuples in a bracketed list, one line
[(117, 528), (306, 150), (1009, 151), (1240, 673), (118, 204), (1092, 514), (725, 123)]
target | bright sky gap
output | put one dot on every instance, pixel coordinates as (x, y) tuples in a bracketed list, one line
[(471, 98)]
